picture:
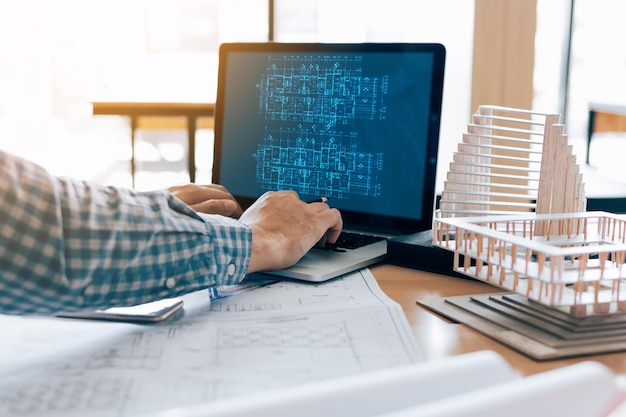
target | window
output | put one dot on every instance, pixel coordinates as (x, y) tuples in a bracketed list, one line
[(580, 65), (58, 60)]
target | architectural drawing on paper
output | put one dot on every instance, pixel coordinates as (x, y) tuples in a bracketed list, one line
[(318, 337), (103, 395), (513, 212)]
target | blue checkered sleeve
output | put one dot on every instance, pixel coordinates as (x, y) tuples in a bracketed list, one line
[(68, 245)]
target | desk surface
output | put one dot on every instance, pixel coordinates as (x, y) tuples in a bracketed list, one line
[(438, 337)]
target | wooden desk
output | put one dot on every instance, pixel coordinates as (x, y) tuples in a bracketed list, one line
[(137, 109), (439, 338)]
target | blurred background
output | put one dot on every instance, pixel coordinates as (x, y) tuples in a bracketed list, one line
[(59, 55)]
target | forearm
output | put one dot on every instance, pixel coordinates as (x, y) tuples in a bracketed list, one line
[(69, 245)]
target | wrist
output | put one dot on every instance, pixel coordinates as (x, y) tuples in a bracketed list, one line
[(259, 251), (269, 252)]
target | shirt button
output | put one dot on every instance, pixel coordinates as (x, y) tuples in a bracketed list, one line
[(170, 283), (231, 270)]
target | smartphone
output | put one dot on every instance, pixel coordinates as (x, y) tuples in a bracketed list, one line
[(152, 312)]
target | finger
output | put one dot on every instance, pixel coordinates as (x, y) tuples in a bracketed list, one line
[(199, 196), (318, 200), (318, 207), (224, 207), (331, 218), (194, 193)]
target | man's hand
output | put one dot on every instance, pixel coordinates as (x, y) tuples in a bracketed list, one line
[(210, 199), (284, 228)]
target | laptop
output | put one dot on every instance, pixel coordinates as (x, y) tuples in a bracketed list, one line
[(355, 123)]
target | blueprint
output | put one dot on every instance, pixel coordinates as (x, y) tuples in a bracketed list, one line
[(311, 105), (329, 90), (318, 163), (274, 336)]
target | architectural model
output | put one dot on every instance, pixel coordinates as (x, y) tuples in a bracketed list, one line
[(513, 212)]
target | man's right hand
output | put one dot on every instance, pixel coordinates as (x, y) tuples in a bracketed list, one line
[(284, 228)]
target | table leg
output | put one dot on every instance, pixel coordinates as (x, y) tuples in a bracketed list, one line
[(133, 129), (191, 148), (590, 127)]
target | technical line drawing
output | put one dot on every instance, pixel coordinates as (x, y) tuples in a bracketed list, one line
[(107, 395), (317, 162), (330, 335), (330, 90), (352, 327), (126, 357)]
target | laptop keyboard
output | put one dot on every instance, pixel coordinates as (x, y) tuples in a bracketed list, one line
[(351, 240)]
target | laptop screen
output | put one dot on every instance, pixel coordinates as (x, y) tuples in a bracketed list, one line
[(356, 123)]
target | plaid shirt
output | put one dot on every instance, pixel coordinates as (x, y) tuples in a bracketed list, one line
[(67, 245)]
